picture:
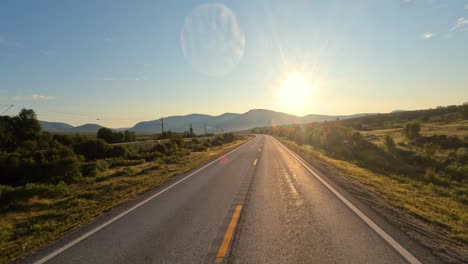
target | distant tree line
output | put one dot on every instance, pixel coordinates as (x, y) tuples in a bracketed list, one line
[(110, 136), (440, 114), (29, 155)]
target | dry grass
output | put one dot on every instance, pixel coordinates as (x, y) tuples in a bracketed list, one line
[(30, 225), (458, 129), (426, 202)]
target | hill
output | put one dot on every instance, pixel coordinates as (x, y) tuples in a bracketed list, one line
[(54, 126), (86, 128), (214, 124), (231, 121)]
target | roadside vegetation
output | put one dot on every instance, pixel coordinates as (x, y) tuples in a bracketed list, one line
[(413, 161), (52, 183)]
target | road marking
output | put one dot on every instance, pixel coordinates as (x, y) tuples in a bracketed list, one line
[(260, 149), (228, 235), (255, 162), (399, 248), (110, 221)]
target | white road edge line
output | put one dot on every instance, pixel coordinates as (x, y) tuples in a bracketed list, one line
[(110, 221), (397, 246)]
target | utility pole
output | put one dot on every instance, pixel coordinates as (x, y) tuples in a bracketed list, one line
[(162, 125), (205, 129)]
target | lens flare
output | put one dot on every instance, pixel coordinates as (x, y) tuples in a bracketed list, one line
[(212, 40)]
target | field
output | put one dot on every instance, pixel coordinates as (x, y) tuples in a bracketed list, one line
[(48, 211)]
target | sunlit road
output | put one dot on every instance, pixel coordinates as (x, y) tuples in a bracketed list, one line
[(258, 204)]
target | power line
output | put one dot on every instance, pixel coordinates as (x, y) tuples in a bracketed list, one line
[(7, 109)]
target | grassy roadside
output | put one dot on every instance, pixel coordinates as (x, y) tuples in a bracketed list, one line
[(29, 225), (423, 211)]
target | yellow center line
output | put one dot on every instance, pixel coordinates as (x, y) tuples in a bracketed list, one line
[(255, 162), (228, 235)]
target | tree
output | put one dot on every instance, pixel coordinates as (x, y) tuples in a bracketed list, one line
[(110, 136), (129, 136), (411, 130), (27, 126), (105, 134)]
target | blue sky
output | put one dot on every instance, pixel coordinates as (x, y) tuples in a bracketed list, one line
[(126, 61)]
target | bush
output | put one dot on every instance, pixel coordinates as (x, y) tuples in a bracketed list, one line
[(93, 167), (10, 194), (152, 156), (89, 169), (228, 137), (110, 136), (118, 162), (389, 144), (116, 151), (217, 141), (161, 148), (178, 141), (411, 130), (199, 148), (92, 149), (53, 165)]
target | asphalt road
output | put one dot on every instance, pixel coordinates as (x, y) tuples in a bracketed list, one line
[(285, 215)]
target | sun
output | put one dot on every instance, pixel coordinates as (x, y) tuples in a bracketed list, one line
[(294, 91)]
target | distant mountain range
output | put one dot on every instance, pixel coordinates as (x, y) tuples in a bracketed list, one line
[(64, 127), (224, 122)]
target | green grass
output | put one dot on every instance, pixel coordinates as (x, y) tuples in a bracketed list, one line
[(32, 223)]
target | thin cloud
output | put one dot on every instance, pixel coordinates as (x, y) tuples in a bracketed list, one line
[(49, 53), (33, 97), (428, 35), (466, 6), (110, 79), (9, 43), (461, 25)]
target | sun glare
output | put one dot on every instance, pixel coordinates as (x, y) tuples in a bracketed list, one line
[(294, 91)]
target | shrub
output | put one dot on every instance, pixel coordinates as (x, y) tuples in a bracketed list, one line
[(199, 147), (110, 136), (10, 194), (228, 137), (53, 165), (118, 162), (116, 151), (89, 169), (217, 141), (152, 156), (92, 149), (389, 144), (178, 141), (161, 148), (411, 130)]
